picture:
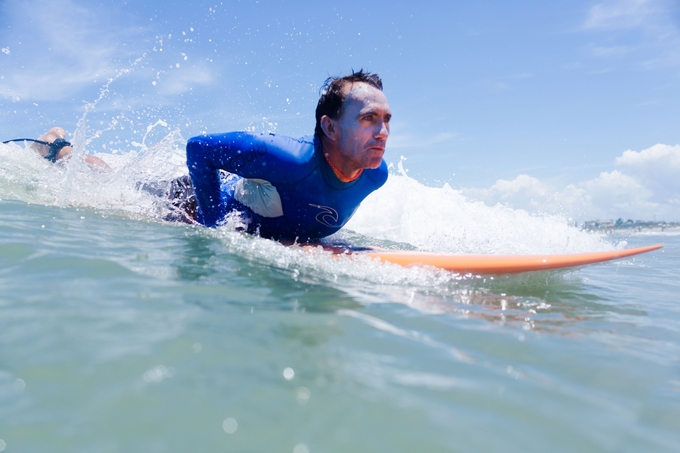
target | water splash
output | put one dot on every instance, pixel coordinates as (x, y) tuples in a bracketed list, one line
[(26, 176)]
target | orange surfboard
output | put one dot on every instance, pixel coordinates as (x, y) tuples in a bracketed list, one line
[(501, 264)]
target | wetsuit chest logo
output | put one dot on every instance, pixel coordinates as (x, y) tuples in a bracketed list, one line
[(327, 215)]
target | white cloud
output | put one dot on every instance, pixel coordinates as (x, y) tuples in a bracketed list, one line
[(611, 51), (408, 141), (523, 183), (523, 191), (625, 14), (641, 29), (65, 48), (71, 48), (647, 186), (529, 193), (615, 192), (181, 80), (657, 167)]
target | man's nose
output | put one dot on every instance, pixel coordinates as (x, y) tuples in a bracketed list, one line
[(383, 131)]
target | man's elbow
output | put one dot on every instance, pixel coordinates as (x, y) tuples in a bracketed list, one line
[(194, 151)]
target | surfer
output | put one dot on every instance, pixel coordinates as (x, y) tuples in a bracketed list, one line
[(297, 189), (283, 188)]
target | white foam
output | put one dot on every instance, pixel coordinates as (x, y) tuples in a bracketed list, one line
[(443, 220)]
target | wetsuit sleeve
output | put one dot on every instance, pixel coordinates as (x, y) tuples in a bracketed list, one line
[(273, 158)]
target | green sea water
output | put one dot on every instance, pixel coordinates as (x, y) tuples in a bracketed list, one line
[(123, 333)]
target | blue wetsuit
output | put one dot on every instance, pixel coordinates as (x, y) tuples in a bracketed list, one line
[(285, 186)]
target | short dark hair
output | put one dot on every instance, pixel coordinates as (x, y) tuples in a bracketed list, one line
[(333, 95)]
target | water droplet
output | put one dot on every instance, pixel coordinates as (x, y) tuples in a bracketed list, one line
[(301, 448), (158, 374), (230, 425), (288, 373), (19, 384), (303, 394)]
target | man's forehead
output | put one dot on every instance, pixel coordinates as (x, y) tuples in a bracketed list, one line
[(364, 94)]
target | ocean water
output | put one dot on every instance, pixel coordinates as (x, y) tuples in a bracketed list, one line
[(120, 332)]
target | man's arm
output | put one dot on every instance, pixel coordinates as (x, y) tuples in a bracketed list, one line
[(273, 158), (205, 178)]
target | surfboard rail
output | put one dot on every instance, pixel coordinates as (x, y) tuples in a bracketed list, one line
[(502, 264)]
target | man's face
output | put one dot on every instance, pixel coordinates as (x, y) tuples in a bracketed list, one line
[(364, 126)]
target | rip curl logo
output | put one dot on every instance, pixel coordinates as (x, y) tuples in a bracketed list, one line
[(242, 158), (327, 215)]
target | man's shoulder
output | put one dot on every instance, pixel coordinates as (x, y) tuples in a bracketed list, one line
[(286, 141), (300, 150), (245, 139)]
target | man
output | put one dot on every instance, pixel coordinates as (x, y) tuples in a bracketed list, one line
[(285, 188), (298, 189)]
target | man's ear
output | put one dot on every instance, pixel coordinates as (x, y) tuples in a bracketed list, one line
[(328, 127)]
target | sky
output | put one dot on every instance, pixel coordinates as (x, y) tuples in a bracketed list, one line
[(568, 106)]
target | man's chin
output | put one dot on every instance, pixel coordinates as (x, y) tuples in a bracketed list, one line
[(374, 163)]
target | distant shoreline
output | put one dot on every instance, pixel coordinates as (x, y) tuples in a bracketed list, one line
[(636, 226)]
